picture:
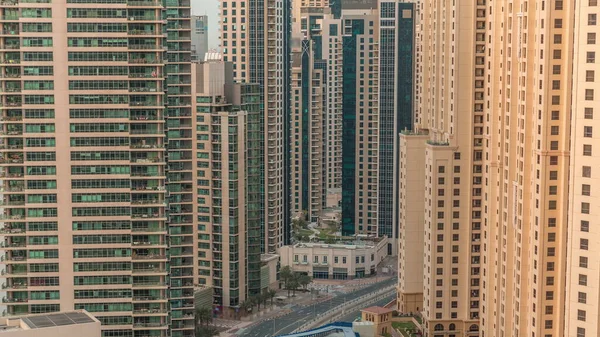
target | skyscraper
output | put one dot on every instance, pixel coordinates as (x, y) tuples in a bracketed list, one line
[(183, 213), (360, 117), (83, 162), (582, 279), (228, 233), (493, 104), (396, 86), (199, 36), (252, 38), (315, 135)]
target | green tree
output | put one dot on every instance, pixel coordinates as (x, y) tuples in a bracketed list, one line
[(203, 316), (247, 305), (206, 331), (271, 293), (294, 283), (304, 280), (285, 275)]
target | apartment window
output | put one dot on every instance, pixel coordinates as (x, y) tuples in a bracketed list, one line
[(555, 85), (586, 171), (589, 94), (343, 260), (553, 175), (335, 259), (582, 280), (551, 222), (555, 115), (316, 259), (558, 23), (549, 280), (557, 38), (549, 310), (551, 237), (591, 38), (441, 169), (551, 251), (456, 155), (585, 207), (553, 190), (589, 76), (585, 189), (592, 19), (589, 113), (585, 226), (591, 57), (581, 331), (587, 149), (558, 5), (557, 54), (549, 295), (581, 315), (556, 69), (593, 2), (554, 130), (581, 297), (583, 262), (553, 160), (587, 131), (583, 244)]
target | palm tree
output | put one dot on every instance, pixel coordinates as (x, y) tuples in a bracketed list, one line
[(271, 293), (256, 300), (285, 275), (265, 297), (246, 305)]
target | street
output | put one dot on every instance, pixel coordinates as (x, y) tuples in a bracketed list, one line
[(288, 323)]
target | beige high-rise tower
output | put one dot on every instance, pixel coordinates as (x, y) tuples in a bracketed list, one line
[(83, 162), (493, 98), (253, 38), (583, 281)]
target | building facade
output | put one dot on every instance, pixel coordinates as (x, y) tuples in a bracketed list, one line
[(335, 261), (253, 35), (493, 103), (396, 93), (315, 133), (360, 119), (88, 79), (180, 138), (582, 280), (199, 36), (227, 231)]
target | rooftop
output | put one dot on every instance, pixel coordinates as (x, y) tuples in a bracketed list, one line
[(360, 241), (377, 310), (42, 321), (268, 257)]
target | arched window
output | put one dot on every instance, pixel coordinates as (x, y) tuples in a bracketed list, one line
[(452, 327), (438, 327), (474, 327)]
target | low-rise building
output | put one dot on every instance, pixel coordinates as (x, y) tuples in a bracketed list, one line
[(74, 323), (356, 259), (381, 317)]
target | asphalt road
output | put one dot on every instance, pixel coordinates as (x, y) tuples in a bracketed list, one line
[(351, 316), (288, 323)]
